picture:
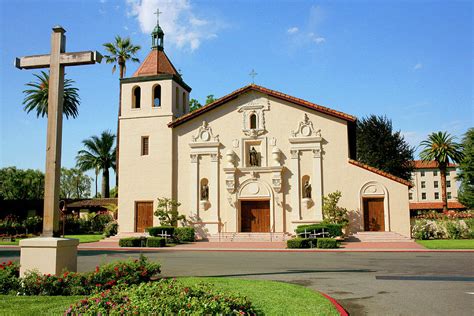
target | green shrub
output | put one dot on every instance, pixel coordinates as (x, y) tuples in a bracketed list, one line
[(327, 243), (155, 242), (164, 297), (111, 229), (158, 230), (99, 222), (296, 243), (426, 229), (332, 213), (132, 242), (332, 230), (128, 272), (183, 234), (9, 281)]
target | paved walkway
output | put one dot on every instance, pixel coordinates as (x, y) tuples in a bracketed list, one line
[(268, 247)]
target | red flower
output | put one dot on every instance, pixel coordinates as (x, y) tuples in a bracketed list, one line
[(97, 269)]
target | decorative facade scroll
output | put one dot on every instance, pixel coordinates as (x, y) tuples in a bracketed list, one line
[(205, 134), (306, 129)]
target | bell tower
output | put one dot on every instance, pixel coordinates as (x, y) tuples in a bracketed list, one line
[(151, 98)]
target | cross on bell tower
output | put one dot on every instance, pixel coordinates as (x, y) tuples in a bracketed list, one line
[(157, 36)]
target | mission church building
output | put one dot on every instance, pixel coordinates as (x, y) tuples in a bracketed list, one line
[(255, 160)]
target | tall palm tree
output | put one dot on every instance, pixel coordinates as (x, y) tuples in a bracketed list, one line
[(99, 153), (118, 54), (441, 147), (36, 98)]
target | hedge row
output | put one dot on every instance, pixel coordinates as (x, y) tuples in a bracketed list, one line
[(325, 243), (333, 230), (142, 242), (179, 234)]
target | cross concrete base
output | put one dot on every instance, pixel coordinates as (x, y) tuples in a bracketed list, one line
[(48, 255)]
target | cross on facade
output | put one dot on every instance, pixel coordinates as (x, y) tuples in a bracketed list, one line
[(158, 12), (56, 61), (253, 74)]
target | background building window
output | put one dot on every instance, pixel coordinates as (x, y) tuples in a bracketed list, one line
[(422, 173), (435, 184), (436, 196), (136, 98), (410, 196), (157, 96), (423, 184), (423, 196), (449, 195), (145, 144), (435, 173), (177, 98), (448, 184)]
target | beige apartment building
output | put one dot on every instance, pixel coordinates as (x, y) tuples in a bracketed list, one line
[(255, 160), (426, 191)]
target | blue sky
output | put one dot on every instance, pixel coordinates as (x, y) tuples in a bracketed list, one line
[(409, 60)]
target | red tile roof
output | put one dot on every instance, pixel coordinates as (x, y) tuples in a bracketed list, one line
[(420, 164), (435, 205), (380, 172), (273, 93), (156, 63)]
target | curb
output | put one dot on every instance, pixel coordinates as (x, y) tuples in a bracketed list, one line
[(340, 309)]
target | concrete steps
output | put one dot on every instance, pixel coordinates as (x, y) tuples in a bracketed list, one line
[(378, 237), (249, 237)]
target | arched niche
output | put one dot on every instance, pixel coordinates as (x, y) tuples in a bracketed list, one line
[(136, 97), (156, 96)]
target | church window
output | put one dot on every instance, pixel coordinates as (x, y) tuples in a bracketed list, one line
[(184, 102), (157, 96), (177, 98), (253, 121), (136, 98), (145, 144)]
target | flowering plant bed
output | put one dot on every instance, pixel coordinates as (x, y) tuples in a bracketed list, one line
[(128, 272)]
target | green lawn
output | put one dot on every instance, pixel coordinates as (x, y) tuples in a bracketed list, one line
[(447, 243), (82, 239), (268, 297)]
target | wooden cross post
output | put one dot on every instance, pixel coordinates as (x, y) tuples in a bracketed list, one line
[(56, 61)]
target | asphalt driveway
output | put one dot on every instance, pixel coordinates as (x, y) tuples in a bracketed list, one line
[(364, 283)]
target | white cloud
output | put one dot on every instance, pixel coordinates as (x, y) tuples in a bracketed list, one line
[(418, 66), (292, 30), (182, 27), (317, 39)]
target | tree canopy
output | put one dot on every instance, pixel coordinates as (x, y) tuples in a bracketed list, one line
[(466, 171), (74, 184), (195, 104), (18, 184), (380, 147)]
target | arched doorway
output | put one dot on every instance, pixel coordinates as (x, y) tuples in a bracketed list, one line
[(255, 207), (374, 206)]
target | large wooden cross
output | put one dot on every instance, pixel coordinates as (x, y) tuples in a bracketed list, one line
[(56, 61)]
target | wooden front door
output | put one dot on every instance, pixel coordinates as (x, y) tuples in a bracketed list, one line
[(143, 216), (374, 219), (255, 216)]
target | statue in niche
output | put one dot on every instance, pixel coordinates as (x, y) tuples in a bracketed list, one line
[(253, 154), (204, 192), (307, 190)]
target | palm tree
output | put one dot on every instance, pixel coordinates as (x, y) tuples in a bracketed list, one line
[(37, 97), (99, 153), (118, 54), (442, 148)]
